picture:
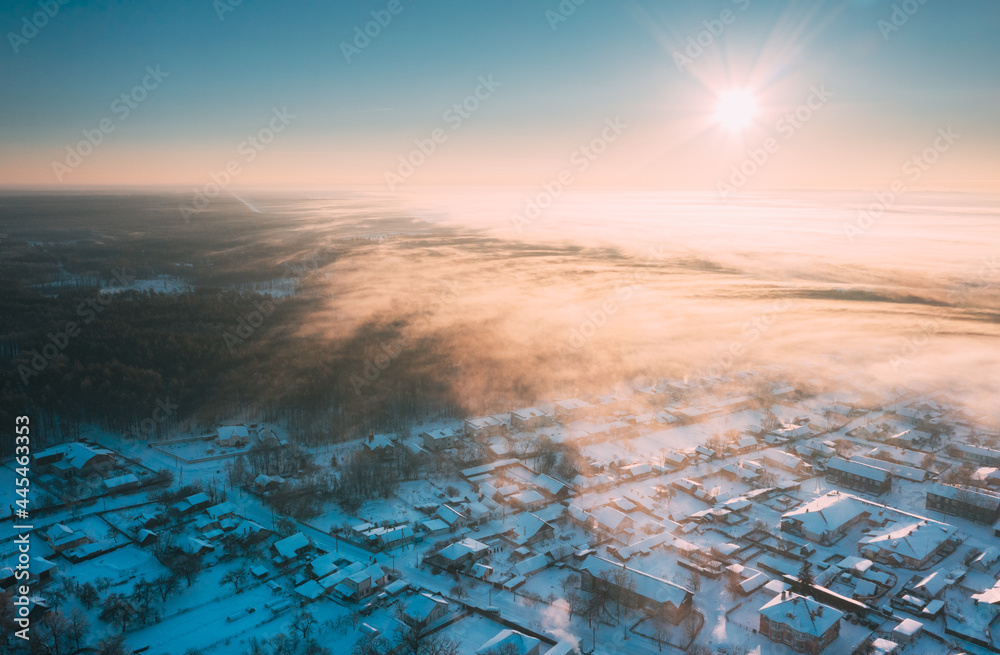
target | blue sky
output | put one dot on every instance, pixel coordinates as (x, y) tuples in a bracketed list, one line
[(557, 85)]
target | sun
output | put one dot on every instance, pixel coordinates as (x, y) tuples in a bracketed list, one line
[(736, 109)]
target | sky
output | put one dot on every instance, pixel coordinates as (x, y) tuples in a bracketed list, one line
[(824, 95)]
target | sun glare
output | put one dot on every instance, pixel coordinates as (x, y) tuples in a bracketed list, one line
[(736, 109)]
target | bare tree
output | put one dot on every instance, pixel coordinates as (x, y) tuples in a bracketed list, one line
[(691, 627), (165, 585), (304, 623), (113, 645), (55, 630), (236, 577), (78, 629), (117, 609)]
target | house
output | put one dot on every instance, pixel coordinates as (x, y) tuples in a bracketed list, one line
[(460, 553), (324, 565), (675, 460), (268, 438), (433, 527), (787, 462), (423, 610), (705, 452), (232, 436), (439, 439), (398, 536), (263, 483), (529, 418), (290, 548), (636, 589), (454, 518), (379, 444), (529, 500), (62, 537), (76, 459), (309, 591), (966, 502), (511, 642), (894, 468), (573, 409), (193, 503), (977, 454), (194, 546), (802, 623), (551, 487), (907, 631), (743, 445), (362, 583), (637, 471), (930, 586), (913, 543), (222, 511), (858, 476), (251, 532), (484, 427), (121, 483), (986, 560), (40, 569), (529, 529), (479, 512), (611, 522), (827, 518)]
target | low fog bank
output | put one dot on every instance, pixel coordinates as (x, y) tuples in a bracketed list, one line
[(395, 308), (606, 290)]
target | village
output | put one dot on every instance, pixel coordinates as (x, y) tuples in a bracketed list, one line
[(672, 518)]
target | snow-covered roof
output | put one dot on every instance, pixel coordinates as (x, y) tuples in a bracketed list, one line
[(121, 480), (917, 540), (510, 641), (480, 422), (289, 546), (528, 413), (420, 608), (608, 518), (801, 614), (226, 432), (74, 455), (646, 585), (908, 627), (528, 497), (859, 469), (969, 495), (829, 512), (572, 404), (933, 583), (462, 548), (549, 484)]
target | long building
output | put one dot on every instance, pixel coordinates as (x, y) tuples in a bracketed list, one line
[(965, 502), (859, 476), (636, 589)]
